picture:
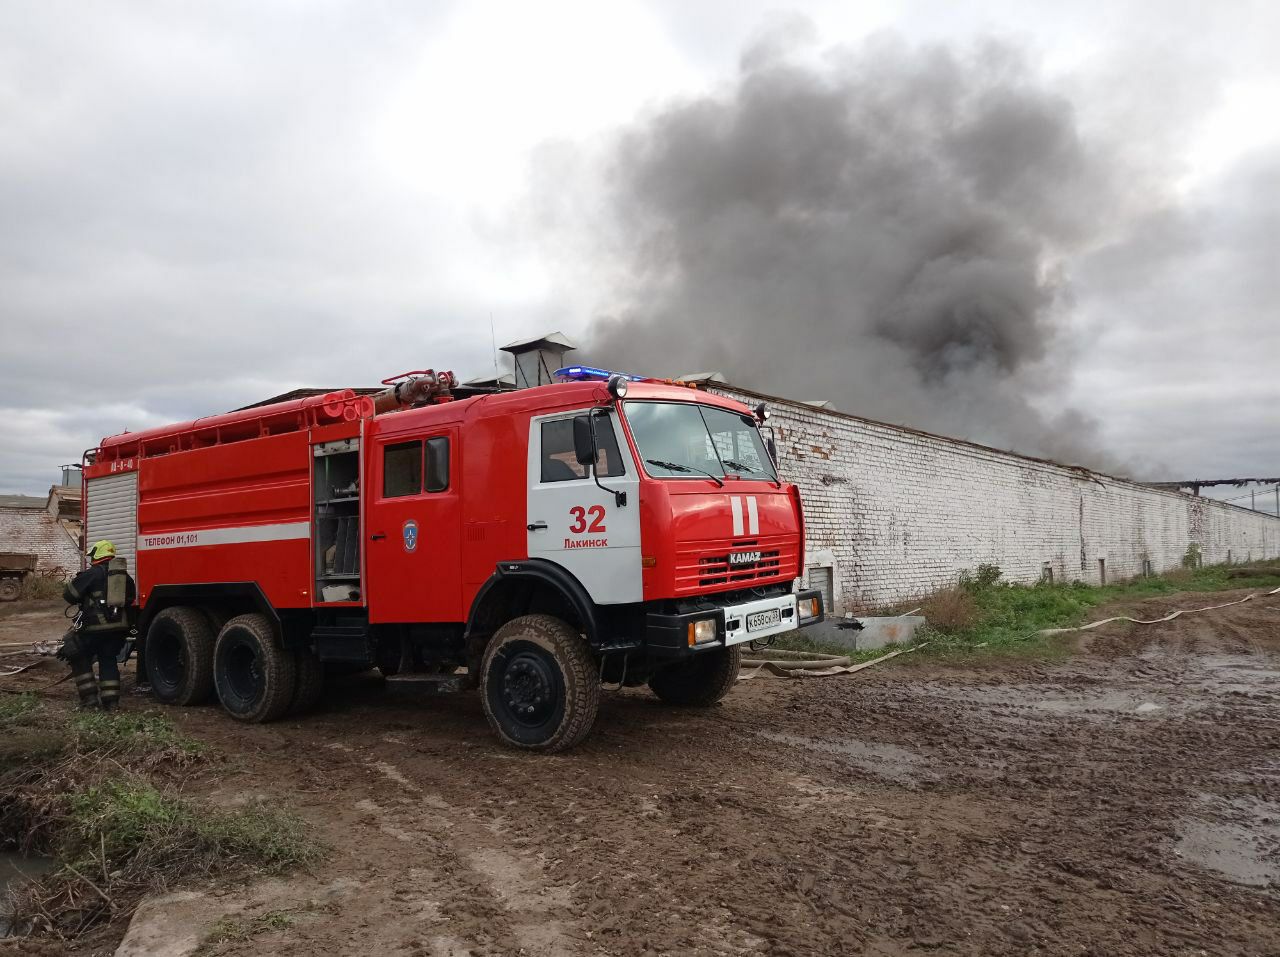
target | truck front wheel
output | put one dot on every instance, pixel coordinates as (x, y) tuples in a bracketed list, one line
[(700, 681), (539, 684), (255, 677), (179, 653)]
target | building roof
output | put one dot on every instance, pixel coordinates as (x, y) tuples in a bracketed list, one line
[(22, 501), (505, 381), (557, 340), (703, 377)]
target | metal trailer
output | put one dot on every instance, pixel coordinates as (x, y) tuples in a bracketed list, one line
[(15, 568)]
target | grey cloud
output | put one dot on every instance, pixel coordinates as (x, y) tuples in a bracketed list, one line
[(194, 218)]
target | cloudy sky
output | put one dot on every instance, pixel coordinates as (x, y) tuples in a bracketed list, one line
[(1038, 225)]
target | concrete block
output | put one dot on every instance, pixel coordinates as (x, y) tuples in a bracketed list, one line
[(875, 633)]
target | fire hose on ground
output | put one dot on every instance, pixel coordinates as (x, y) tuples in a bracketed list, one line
[(780, 663)]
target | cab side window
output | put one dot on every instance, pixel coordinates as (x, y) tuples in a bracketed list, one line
[(559, 464), (437, 464), (402, 469)]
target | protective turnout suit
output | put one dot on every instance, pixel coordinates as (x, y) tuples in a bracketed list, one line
[(106, 595)]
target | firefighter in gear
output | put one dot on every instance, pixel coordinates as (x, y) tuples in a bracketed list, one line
[(106, 595)]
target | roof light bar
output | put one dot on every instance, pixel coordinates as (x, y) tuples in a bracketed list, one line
[(592, 374)]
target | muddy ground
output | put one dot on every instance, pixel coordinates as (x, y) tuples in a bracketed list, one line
[(1121, 800)]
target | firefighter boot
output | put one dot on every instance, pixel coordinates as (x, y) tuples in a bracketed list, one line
[(87, 688), (109, 693)]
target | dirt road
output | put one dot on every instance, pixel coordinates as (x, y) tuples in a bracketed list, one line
[(1123, 800)]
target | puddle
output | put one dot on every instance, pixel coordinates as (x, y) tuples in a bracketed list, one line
[(1241, 841), (14, 869), (898, 764), (1096, 705), (1244, 674)]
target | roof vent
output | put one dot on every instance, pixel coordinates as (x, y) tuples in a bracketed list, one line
[(537, 359)]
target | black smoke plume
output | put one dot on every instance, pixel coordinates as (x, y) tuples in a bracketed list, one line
[(882, 228)]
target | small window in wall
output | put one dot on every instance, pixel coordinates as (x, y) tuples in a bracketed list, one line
[(402, 469), (560, 464), (437, 464), (1046, 573), (1102, 571), (822, 579)]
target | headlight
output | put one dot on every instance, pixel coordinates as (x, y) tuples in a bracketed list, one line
[(618, 386), (807, 608), (702, 632)]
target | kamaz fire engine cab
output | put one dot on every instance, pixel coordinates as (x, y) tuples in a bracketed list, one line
[(530, 544)]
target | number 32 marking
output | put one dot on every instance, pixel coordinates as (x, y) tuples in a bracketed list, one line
[(580, 519)]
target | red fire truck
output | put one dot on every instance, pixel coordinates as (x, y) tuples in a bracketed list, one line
[(531, 544)]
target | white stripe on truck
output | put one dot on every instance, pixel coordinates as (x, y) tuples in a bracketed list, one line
[(283, 532)]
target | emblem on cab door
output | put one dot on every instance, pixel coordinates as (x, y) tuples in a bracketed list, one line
[(410, 536)]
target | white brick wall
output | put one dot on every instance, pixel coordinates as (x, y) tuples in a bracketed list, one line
[(34, 530), (899, 513)]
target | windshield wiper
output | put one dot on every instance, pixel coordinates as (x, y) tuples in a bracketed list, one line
[(677, 467), (747, 469)]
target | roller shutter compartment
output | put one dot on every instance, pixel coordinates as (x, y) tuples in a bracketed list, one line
[(112, 513)]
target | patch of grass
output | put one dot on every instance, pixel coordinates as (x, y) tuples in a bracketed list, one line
[(131, 730), (102, 793), (228, 930), (42, 588), (1008, 615), (128, 817), (951, 610), (16, 708), (120, 837)]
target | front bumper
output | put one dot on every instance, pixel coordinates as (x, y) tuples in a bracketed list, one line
[(668, 635)]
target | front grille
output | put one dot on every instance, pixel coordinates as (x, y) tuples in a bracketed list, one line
[(705, 565)]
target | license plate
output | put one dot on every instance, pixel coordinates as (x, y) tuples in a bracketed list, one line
[(763, 619)]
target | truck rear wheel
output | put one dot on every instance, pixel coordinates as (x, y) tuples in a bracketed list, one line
[(179, 652), (310, 681), (10, 588), (539, 684), (255, 677), (702, 680)]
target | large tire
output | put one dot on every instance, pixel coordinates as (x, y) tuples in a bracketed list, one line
[(310, 682), (10, 588), (179, 651), (255, 677), (701, 681), (539, 684)]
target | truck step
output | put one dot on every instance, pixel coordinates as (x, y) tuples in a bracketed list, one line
[(427, 684)]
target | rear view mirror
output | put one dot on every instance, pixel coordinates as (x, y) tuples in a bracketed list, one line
[(584, 441)]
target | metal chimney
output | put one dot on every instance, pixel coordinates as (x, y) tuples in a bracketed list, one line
[(536, 359)]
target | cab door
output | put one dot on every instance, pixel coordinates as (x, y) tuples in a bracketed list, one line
[(576, 523), (413, 528)]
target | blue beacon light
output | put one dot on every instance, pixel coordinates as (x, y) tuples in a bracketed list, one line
[(592, 374)]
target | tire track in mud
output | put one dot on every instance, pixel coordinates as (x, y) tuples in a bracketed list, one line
[(482, 899)]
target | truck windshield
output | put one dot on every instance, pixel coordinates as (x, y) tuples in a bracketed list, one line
[(679, 439)]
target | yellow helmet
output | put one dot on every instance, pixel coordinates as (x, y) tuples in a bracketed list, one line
[(101, 550)]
